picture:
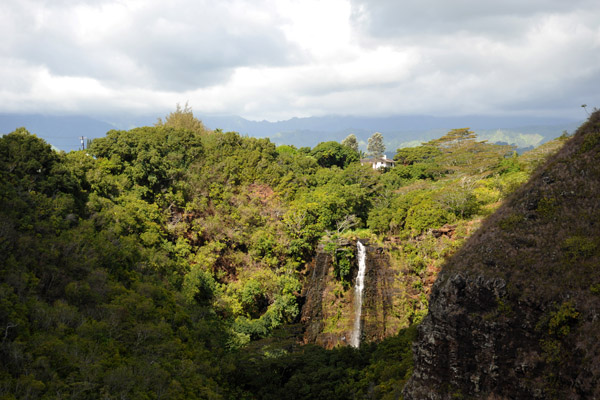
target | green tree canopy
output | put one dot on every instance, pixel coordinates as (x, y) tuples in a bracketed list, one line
[(412, 155), (153, 157), (332, 153), (454, 138), (460, 152)]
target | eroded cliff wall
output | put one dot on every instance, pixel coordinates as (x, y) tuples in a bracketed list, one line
[(516, 312), (328, 312)]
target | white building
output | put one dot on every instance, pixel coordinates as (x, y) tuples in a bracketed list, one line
[(379, 162)]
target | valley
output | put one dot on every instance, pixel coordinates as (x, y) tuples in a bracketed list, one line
[(176, 261)]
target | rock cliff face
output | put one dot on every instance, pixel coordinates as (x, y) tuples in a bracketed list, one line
[(516, 312), (384, 287), (328, 312)]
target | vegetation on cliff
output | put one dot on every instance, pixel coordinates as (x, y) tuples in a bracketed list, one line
[(514, 313), (147, 265)]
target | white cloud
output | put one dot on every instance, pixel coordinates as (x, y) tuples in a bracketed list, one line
[(279, 59)]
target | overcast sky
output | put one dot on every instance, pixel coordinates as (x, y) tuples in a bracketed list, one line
[(277, 59)]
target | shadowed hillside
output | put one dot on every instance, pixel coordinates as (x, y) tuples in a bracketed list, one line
[(514, 313)]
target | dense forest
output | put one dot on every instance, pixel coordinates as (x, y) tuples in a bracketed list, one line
[(170, 261)]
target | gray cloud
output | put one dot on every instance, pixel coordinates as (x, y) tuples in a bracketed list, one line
[(276, 59), (511, 56), (390, 19), (165, 46)]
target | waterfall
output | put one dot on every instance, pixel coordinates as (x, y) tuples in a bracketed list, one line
[(358, 293)]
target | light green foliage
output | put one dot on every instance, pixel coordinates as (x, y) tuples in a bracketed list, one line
[(458, 198), (454, 138), (533, 158), (375, 146), (510, 165), (351, 142), (560, 321), (428, 214), (286, 150), (464, 177), (579, 248), (555, 326), (411, 214), (414, 155), (461, 153), (183, 119)]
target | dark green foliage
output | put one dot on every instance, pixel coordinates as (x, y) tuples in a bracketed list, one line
[(591, 141), (86, 309), (150, 160), (561, 321), (329, 154), (343, 260), (34, 180), (375, 371)]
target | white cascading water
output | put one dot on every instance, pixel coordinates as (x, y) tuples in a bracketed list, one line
[(358, 292)]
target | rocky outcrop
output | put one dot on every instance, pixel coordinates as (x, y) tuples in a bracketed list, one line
[(468, 345), (314, 314), (383, 285), (328, 311), (515, 313)]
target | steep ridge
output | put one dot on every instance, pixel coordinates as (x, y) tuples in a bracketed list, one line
[(515, 313)]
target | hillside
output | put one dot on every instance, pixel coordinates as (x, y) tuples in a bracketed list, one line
[(514, 313), (174, 261)]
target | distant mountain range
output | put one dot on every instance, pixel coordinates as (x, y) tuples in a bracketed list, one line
[(64, 132)]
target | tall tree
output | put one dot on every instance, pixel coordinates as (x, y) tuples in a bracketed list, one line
[(351, 142), (375, 146), (455, 138), (183, 118)]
